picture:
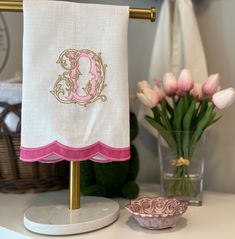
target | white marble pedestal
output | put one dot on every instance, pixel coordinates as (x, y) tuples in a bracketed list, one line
[(95, 213)]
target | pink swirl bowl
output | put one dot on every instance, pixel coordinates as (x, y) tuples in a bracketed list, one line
[(158, 212)]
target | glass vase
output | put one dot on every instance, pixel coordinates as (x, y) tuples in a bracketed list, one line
[(182, 170)]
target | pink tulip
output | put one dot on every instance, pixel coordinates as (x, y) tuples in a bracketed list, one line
[(197, 91), (160, 92), (148, 97), (224, 98), (170, 85), (185, 82), (211, 86)]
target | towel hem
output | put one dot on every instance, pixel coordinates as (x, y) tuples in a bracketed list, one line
[(55, 152)]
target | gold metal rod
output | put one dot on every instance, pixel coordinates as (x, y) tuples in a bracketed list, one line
[(11, 6), (143, 13), (138, 13), (74, 186)]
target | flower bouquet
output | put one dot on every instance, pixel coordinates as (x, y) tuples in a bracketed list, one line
[(181, 111)]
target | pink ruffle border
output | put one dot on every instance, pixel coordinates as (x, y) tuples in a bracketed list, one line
[(63, 152)]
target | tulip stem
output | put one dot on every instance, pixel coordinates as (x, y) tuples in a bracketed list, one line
[(181, 184)]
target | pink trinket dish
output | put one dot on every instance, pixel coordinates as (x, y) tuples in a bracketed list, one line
[(158, 212)]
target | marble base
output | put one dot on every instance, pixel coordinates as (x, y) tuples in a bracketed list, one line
[(95, 213)]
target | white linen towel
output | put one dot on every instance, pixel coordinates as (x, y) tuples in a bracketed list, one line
[(75, 82), (177, 46)]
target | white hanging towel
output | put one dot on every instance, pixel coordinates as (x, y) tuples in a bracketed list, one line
[(177, 45), (75, 82)]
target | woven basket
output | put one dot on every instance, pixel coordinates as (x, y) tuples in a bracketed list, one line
[(20, 177)]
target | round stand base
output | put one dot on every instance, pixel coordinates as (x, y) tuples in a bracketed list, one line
[(95, 213)]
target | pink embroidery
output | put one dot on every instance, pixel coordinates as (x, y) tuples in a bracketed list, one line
[(83, 80), (59, 152)]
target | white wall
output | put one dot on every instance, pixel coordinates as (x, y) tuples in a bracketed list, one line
[(216, 20)]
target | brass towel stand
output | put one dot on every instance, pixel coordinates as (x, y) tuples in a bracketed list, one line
[(138, 13)]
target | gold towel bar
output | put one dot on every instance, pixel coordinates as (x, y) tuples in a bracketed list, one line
[(140, 13)]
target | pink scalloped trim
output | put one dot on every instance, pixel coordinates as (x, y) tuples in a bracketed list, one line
[(62, 152)]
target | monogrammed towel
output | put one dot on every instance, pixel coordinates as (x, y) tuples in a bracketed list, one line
[(75, 82)]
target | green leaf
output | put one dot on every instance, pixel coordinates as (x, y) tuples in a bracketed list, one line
[(170, 112), (187, 120), (177, 123), (201, 126), (187, 127), (165, 121), (166, 134), (187, 100), (206, 119), (175, 101), (169, 108), (178, 114), (156, 114), (203, 107)]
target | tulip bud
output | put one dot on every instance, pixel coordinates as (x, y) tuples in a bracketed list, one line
[(170, 85), (224, 98), (185, 82), (160, 92), (197, 91), (148, 97), (211, 86)]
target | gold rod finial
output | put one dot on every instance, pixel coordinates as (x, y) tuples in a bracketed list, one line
[(143, 13)]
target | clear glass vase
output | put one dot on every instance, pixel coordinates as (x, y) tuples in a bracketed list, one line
[(182, 169)]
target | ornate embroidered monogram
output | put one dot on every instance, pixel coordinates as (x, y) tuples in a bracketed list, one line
[(83, 80)]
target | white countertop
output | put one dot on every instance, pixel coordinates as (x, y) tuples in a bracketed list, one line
[(215, 219)]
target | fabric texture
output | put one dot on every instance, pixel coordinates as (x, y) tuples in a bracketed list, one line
[(75, 82), (177, 45)]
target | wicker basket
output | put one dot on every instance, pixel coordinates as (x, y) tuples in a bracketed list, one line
[(20, 177)]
